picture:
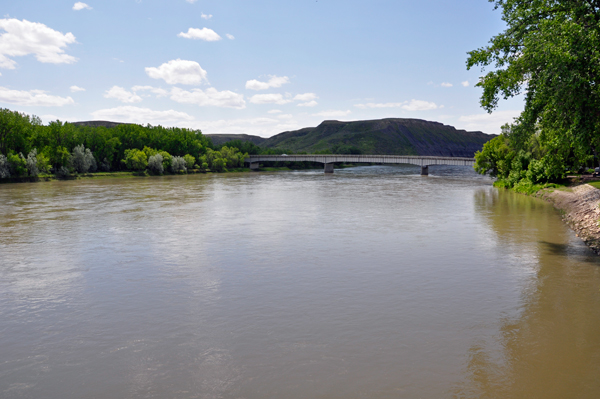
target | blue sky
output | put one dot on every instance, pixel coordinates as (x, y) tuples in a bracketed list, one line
[(257, 67)]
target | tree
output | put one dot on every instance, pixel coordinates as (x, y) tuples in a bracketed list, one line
[(550, 50), (155, 164), (135, 160), (82, 159)]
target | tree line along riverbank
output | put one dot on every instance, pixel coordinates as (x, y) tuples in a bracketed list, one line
[(30, 150)]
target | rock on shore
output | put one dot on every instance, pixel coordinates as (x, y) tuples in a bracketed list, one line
[(581, 212)]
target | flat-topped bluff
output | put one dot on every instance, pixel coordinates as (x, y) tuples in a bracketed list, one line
[(392, 136)]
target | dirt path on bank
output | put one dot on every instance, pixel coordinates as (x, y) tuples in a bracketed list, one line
[(581, 211)]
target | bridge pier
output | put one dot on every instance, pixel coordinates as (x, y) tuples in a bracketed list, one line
[(254, 165), (329, 168), (425, 170)]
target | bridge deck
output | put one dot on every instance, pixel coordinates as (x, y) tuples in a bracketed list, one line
[(389, 159)]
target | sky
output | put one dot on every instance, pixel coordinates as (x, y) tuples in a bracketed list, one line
[(237, 66)]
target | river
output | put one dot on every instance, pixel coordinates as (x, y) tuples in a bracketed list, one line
[(373, 282)]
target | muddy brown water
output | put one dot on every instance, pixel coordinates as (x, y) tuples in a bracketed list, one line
[(373, 282)]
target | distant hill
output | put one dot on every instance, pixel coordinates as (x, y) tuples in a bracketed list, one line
[(393, 136), (100, 123), (222, 138)]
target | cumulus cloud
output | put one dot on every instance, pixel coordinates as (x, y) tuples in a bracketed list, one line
[(205, 34), (312, 103), (419, 105), (209, 97), (305, 97), (333, 113), (465, 83), (412, 105), (274, 81), (131, 114), (379, 105), (23, 37), (75, 89), (122, 95), (446, 84), (488, 123), (230, 37), (156, 90), (269, 99), (178, 71), (274, 111), (81, 6), (206, 16), (259, 126), (32, 98)]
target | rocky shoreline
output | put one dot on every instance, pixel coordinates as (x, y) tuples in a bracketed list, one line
[(580, 208)]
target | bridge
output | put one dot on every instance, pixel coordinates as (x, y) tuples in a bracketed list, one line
[(329, 159)]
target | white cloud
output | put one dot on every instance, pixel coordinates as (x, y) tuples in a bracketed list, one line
[(23, 37), (205, 34), (379, 105), (274, 81), (465, 83), (209, 97), (488, 123), (81, 6), (260, 126), (122, 95), (333, 113), (178, 71), (412, 105), (131, 114), (205, 16), (419, 105), (446, 84), (32, 98), (285, 116), (230, 37), (269, 99), (156, 90), (312, 103), (76, 89), (305, 97), (274, 111)]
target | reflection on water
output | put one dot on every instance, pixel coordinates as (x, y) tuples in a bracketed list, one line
[(551, 349), (372, 282)]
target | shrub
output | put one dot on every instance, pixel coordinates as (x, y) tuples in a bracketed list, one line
[(105, 165), (17, 164), (155, 164), (4, 167), (135, 159), (82, 159), (189, 161), (32, 162), (178, 165), (63, 172)]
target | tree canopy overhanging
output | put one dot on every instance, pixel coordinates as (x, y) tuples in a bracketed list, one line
[(550, 52)]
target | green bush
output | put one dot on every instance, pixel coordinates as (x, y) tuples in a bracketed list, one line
[(135, 160)]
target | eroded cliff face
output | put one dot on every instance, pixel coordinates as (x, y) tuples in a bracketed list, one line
[(581, 212), (392, 136)]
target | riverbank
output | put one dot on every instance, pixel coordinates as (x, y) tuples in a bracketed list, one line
[(580, 209)]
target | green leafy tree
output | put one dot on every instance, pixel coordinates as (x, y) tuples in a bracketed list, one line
[(17, 164), (189, 161), (550, 50), (135, 160)]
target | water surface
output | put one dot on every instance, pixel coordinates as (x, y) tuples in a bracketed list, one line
[(373, 282)]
